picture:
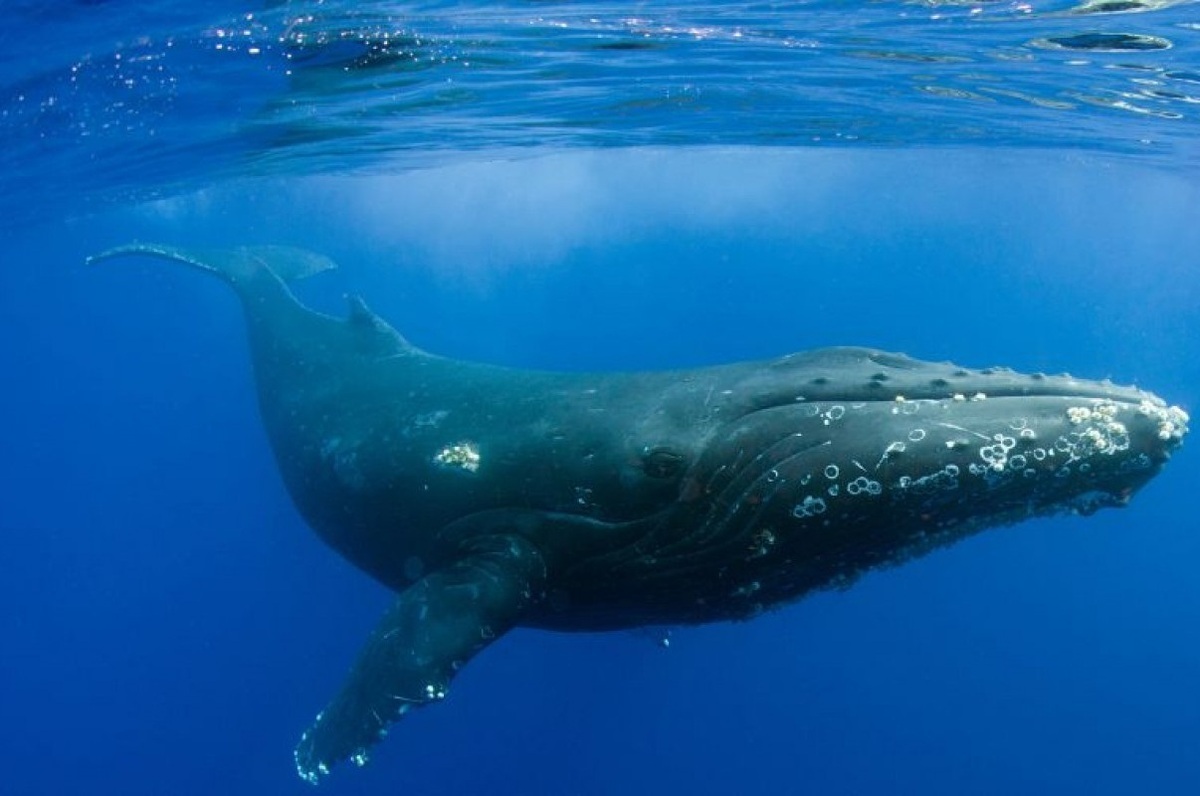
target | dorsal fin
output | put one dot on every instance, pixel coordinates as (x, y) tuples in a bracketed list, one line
[(377, 330)]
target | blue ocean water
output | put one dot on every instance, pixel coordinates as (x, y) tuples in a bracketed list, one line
[(588, 186)]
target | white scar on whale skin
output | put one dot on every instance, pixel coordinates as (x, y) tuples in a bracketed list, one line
[(964, 430)]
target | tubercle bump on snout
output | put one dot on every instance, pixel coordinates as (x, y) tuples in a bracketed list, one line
[(848, 373)]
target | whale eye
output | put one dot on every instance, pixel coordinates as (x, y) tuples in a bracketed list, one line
[(661, 462)]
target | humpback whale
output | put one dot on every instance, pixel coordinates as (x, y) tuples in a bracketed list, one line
[(489, 498)]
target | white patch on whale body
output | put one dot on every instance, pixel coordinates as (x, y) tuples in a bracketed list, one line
[(460, 456)]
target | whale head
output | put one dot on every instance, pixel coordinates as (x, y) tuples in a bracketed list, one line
[(836, 461)]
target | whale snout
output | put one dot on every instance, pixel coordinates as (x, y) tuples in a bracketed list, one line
[(1034, 454), (1117, 447), (1156, 430), (1103, 451)]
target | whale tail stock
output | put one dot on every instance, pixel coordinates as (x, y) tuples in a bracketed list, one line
[(239, 266), (282, 327)]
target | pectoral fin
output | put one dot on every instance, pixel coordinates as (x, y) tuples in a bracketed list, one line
[(434, 628)]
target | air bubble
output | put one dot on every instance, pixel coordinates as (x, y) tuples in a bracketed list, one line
[(811, 507), (993, 455), (916, 435), (864, 484), (832, 471)]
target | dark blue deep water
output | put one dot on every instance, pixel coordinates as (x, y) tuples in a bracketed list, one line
[(588, 186)]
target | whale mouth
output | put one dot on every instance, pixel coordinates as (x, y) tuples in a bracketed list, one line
[(1088, 503)]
